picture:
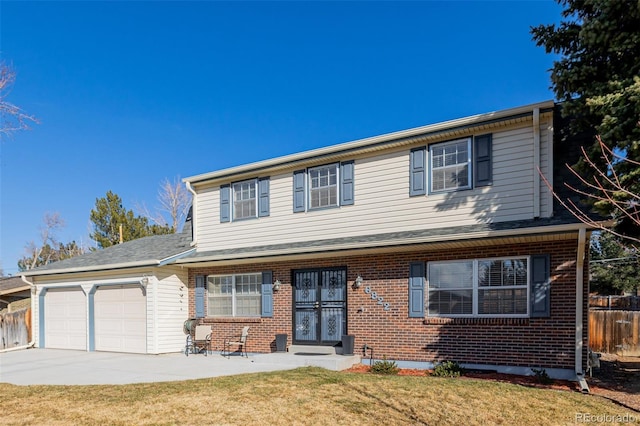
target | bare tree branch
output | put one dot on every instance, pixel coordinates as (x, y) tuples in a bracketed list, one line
[(605, 187), (174, 201), (12, 118)]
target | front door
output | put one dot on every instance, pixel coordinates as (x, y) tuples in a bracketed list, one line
[(320, 306)]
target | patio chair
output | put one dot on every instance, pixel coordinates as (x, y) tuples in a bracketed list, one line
[(200, 341), (239, 341)]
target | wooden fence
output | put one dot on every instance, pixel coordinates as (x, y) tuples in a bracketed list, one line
[(15, 328), (614, 332), (622, 303)]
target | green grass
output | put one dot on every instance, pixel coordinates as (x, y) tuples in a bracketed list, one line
[(306, 396)]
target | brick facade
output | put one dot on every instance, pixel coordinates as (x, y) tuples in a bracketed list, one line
[(527, 342)]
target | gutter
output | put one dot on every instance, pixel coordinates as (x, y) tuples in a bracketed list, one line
[(403, 137), (194, 208), (362, 247), (32, 343), (582, 239), (150, 263)]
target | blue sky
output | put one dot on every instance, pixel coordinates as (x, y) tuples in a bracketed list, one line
[(130, 93)]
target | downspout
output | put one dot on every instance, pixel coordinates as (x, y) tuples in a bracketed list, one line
[(33, 335), (536, 162), (194, 230), (582, 240)]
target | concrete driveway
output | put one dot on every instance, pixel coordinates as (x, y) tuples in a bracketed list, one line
[(67, 367)]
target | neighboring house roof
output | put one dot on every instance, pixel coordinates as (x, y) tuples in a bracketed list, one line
[(148, 251), (10, 285)]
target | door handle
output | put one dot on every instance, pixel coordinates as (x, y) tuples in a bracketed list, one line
[(316, 305)]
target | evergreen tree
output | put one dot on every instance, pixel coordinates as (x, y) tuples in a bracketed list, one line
[(597, 78), (109, 214), (614, 267)]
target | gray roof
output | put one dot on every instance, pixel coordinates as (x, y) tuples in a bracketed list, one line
[(384, 239), (147, 251), (8, 284)]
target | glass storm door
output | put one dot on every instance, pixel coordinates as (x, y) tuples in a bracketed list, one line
[(320, 302)]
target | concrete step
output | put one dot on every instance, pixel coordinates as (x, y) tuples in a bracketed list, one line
[(305, 349), (308, 359)]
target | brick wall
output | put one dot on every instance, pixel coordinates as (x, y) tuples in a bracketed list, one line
[(535, 342)]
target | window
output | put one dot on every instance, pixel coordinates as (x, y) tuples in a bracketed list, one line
[(323, 186), (486, 287), (450, 165), (244, 199), (234, 295)]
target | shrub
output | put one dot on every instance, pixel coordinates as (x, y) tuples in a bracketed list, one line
[(384, 367), (542, 376), (448, 369)]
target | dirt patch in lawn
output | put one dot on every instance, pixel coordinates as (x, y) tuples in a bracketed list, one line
[(617, 379), (529, 381)]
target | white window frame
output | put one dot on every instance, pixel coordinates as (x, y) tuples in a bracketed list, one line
[(433, 168), (234, 209), (234, 294), (476, 288), (311, 190)]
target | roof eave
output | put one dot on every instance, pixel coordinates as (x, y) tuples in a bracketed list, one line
[(377, 245), (364, 143), (93, 268)]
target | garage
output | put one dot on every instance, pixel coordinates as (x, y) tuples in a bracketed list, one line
[(65, 311), (120, 319)]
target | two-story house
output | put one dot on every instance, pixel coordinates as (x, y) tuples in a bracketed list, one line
[(433, 243)]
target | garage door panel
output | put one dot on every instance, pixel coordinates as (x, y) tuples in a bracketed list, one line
[(120, 319), (65, 319)]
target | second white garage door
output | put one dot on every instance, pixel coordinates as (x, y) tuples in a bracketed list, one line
[(120, 319)]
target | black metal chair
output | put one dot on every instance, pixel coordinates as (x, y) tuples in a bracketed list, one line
[(239, 341)]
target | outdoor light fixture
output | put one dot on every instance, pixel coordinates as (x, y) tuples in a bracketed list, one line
[(358, 282), (276, 285)]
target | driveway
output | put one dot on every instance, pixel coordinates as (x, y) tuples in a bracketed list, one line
[(67, 367)]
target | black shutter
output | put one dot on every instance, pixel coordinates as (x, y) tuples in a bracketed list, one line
[(199, 295), (263, 197), (418, 171), (267, 294), (298, 191), (416, 290), (225, 197), (346, 187), (482, 160), (540, 292)]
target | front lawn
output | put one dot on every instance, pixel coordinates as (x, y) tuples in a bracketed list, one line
[(310, 396)]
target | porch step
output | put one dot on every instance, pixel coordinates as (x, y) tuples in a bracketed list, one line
[(309, 359), (304, 349)]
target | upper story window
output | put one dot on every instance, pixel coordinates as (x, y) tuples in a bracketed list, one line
[(450, 165), (244, 199), (484, 287), (234, 295), (331, 185), (323, 186)]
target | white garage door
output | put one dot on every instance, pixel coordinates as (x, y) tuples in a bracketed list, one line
[(120, 319), (65, 319)]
